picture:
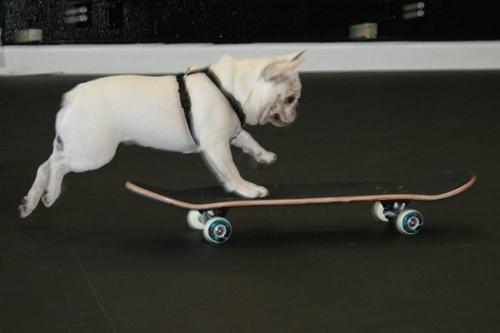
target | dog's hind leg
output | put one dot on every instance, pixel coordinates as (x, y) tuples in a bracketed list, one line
[(30, 201), (57, 170), (48, 181)]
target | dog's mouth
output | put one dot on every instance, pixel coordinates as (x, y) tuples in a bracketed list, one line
[(276, 120)]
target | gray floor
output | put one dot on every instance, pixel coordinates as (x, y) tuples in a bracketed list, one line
[(105, 260)]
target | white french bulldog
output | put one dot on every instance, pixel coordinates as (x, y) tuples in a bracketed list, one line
[(95, 117)]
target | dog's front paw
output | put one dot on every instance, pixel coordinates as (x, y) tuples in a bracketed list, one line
[(267, 158), (251, 191)]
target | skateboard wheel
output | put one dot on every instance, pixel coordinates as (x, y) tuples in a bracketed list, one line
[(195, 220), (378, 212), (217, 230), (409, 222)]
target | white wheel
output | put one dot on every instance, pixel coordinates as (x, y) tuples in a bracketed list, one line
[(378, 212), (195, 220), (217, 230), (409, 222)]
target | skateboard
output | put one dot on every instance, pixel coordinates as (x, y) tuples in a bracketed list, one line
[(208, 206)]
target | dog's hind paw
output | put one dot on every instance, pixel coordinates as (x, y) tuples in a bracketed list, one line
[(24, 209)]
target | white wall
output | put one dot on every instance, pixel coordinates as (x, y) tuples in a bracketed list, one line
[(173, 58)]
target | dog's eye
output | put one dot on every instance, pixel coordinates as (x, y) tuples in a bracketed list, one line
[(290, 99)]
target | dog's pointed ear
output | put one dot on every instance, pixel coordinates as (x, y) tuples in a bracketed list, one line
[(293, 56), (279, 69)]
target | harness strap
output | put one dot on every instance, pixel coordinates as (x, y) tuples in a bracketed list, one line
[(186, 104), (186, 100), (235, 105)]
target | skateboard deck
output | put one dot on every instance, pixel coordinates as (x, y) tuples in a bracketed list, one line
[(390, 197)]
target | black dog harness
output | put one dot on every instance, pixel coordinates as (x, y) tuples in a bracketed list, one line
[(186, 100)]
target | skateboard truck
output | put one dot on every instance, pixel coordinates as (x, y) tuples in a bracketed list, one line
[(216, 229), (407, 221), (391, 209)]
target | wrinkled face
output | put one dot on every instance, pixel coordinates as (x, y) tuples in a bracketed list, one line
[(282, 98)]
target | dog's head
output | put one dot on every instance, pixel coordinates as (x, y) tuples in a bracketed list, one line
[(278, 91), (267, 88)]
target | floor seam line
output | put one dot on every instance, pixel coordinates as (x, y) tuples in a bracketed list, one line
[(86, 276)]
